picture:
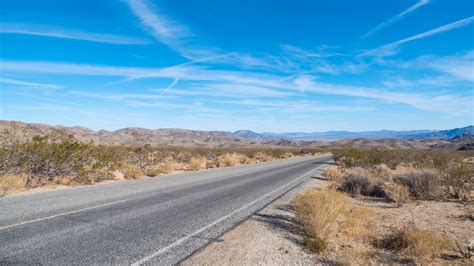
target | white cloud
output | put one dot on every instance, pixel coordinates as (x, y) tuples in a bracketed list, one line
[(248, 84), (173, 83), (6, 80), (460, 67), (167, 31), (395, 18), (55, 32), (439, 103), (390, 49)]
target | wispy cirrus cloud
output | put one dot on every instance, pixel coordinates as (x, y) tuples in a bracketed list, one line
[(390, 49), (56, 32), (167, 31), (46, 98), (6, 80), (181, 39), (458, 66), (395, 18), (241, 84), (436, 103)]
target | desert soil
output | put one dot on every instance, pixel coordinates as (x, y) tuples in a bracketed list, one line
[(273, 236)]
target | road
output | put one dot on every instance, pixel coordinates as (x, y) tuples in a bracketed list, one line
[(160, 220)]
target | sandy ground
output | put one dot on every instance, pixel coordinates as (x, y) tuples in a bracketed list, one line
[(274, 237)]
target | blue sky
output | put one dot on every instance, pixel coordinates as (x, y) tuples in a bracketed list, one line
[(280, 66)]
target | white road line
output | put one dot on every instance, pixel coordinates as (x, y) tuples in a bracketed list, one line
[(71, 212), (61, 214), (197, 232)]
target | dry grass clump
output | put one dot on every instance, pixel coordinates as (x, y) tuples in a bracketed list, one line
[(197, 163), (10, 183), (244, 159), (319, 209), (131, 171), (167, 167), (323, 212), (334, 174), (263, 157), (420, 243), (422, 183), (226, 160), (398, 193)]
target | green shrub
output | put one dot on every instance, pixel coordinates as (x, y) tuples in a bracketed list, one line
[(315, 244)]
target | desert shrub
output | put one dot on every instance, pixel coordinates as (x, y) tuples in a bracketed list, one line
[(197, 163), (358, 181), (315, 244), (59, 158), (420, 243), (244, 159), (131, 171), (225, 160), (438, 159), (398, 193), (459, 179), (422, 183), (382, 171), (318, 211), (153, 170), (167, 167), (334, 173)]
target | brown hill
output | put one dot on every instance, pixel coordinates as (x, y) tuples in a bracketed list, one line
[(125, 136), (197, 138)]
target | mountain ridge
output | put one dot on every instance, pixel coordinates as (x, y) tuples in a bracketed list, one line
[(196, 138)]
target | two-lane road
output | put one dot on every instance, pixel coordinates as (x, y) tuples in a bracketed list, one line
[(159, 220)]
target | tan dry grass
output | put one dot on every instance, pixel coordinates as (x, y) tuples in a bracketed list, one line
[(334, 173), (11, 183), (197, 163), (244, 159), (319, 209), (131, 171), (398, 193), (226, 160), (422, 244)]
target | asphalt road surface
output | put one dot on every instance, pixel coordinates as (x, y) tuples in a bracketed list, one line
[(160, 220)]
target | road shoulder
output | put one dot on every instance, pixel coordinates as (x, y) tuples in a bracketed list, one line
[(270, 236)]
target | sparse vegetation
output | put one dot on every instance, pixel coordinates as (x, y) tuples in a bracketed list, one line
[(434, 179), (429, 174), (420, 243), (60, 159), (398, 193), (422, 183), (319, 212)]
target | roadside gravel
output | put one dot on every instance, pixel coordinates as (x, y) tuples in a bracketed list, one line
[(269, 237)]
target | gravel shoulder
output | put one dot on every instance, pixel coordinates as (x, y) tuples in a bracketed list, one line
[(270, 236)]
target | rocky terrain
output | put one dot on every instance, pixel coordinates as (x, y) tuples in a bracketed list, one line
[(242, 138)]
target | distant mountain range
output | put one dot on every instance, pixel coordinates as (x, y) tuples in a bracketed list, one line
[(338, 135), (443, 134), (458, 138)]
